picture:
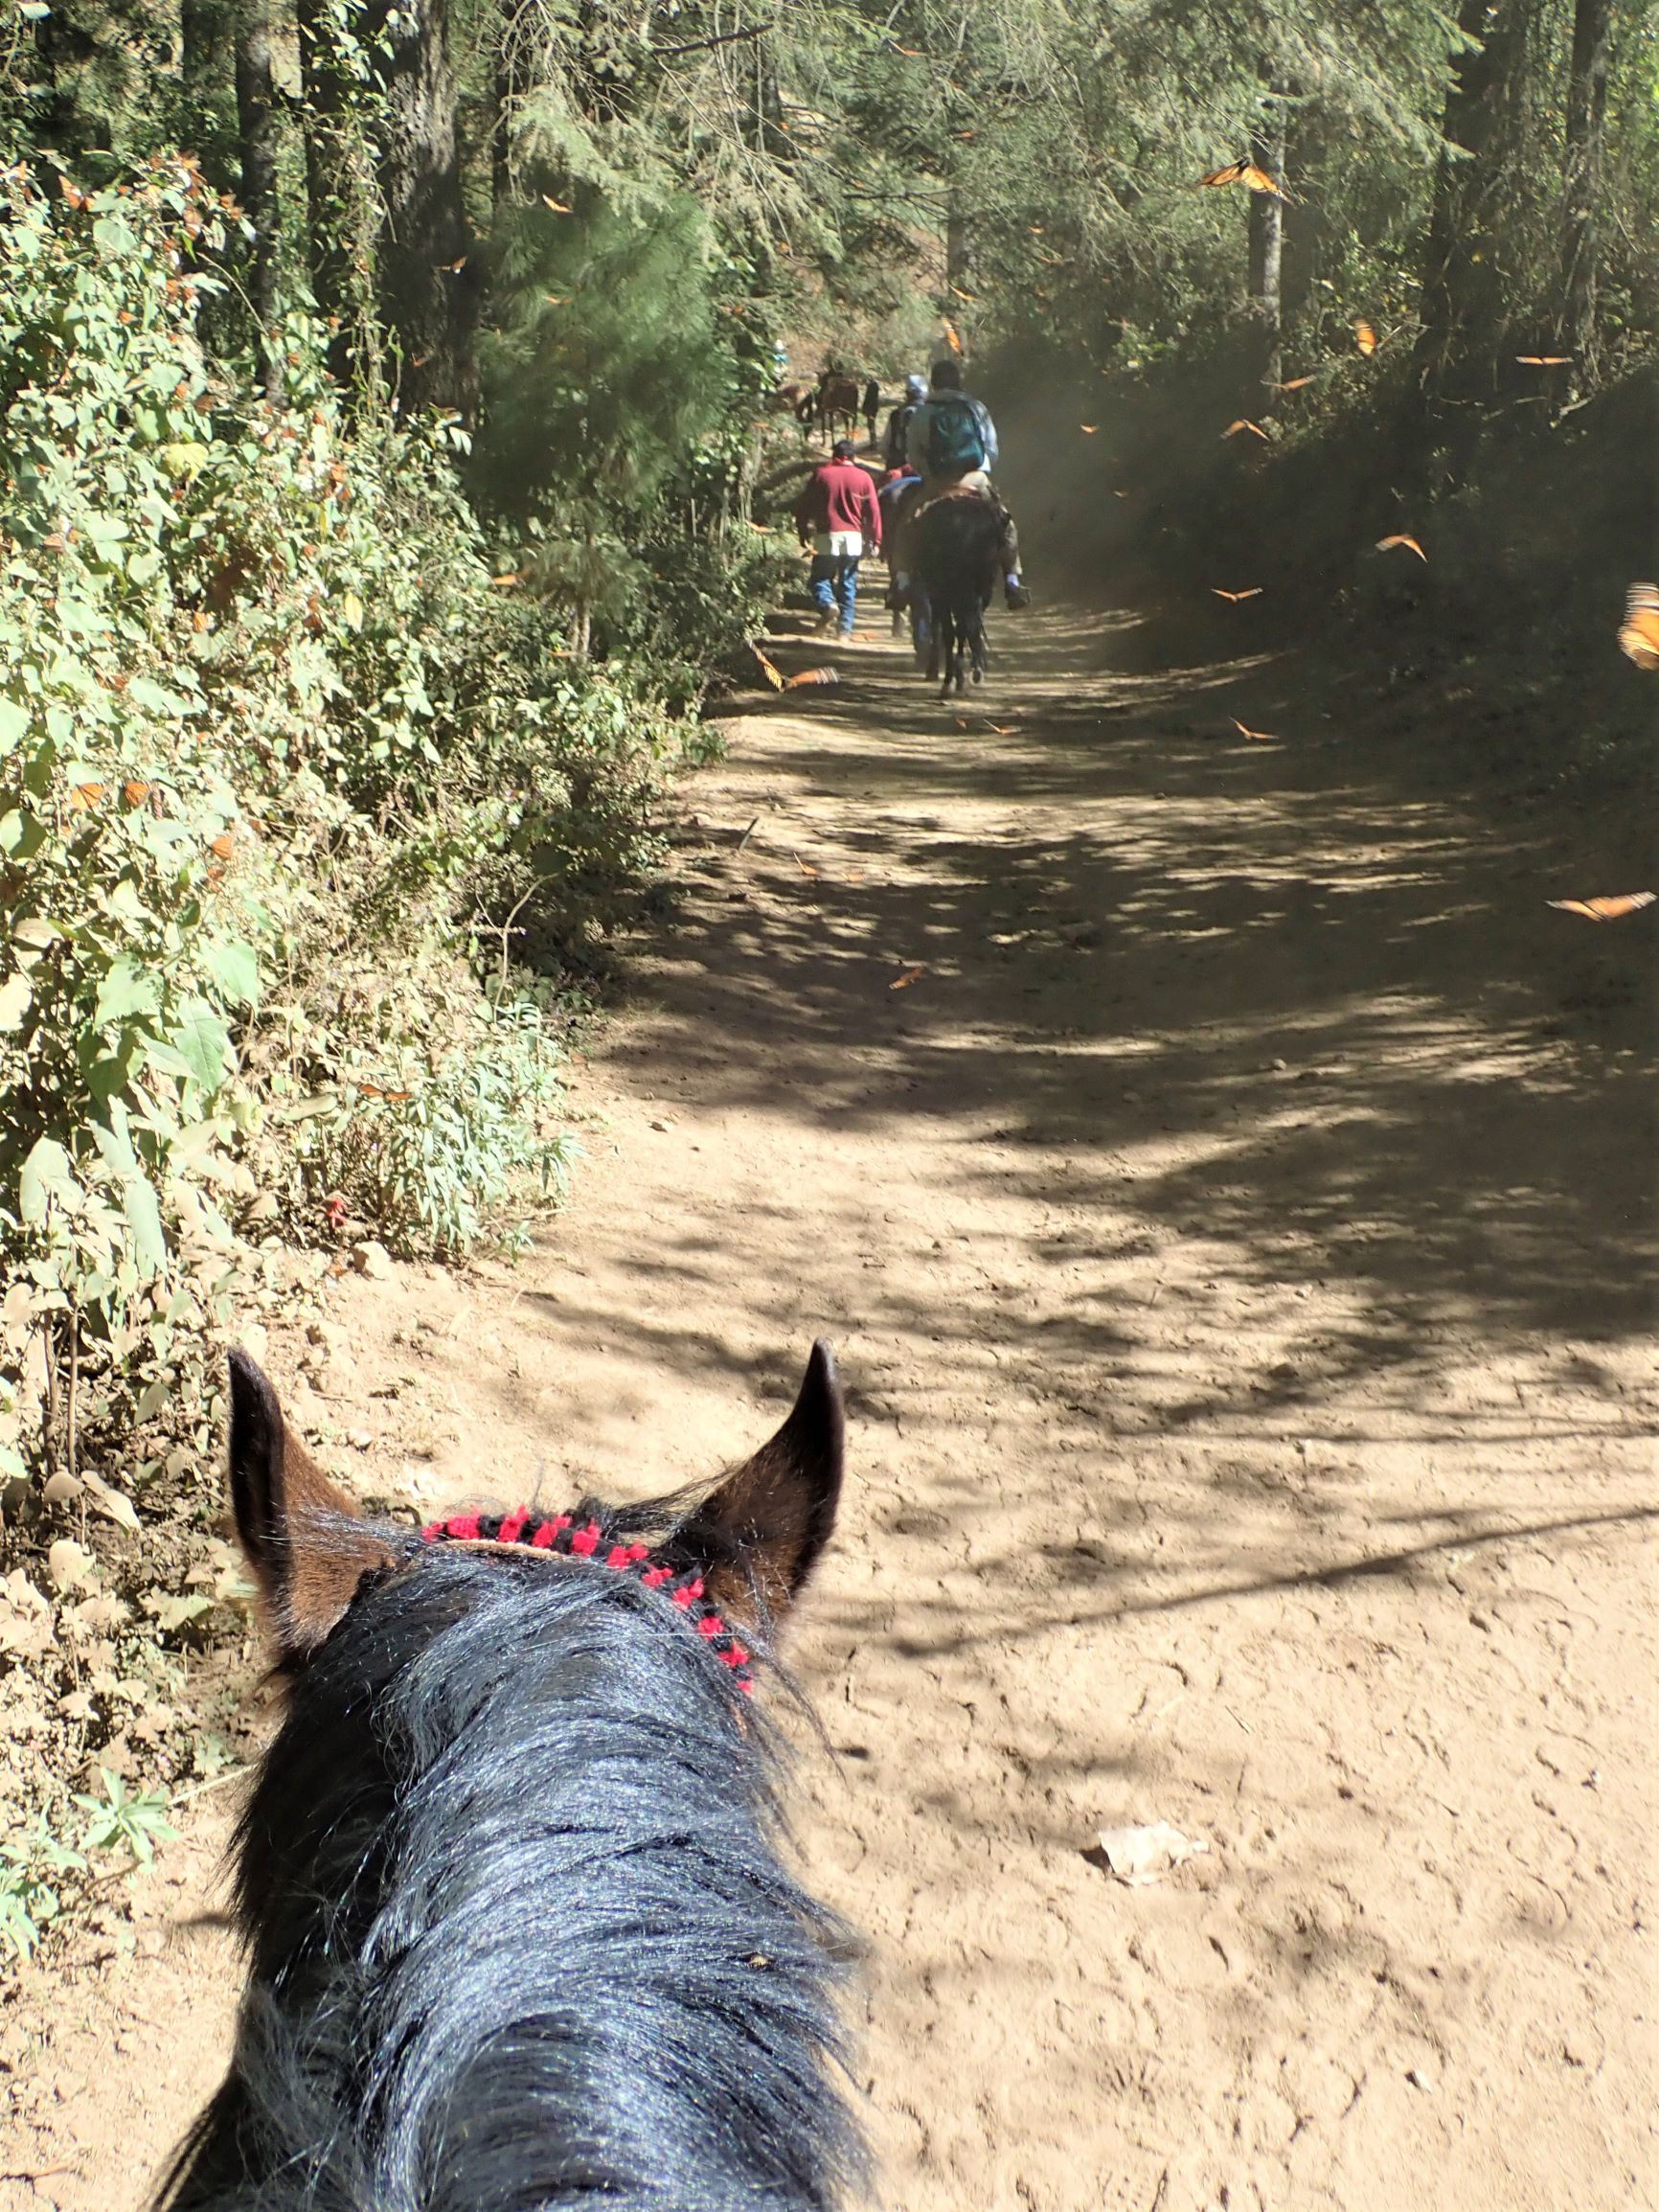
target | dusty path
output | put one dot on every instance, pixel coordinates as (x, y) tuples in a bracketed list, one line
[(1234, 1239)]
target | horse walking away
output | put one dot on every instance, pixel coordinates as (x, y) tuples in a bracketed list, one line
[(956, 550), (836, 401), (520, 1936)]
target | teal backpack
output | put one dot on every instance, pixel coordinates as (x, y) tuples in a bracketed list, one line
[(955, 444)]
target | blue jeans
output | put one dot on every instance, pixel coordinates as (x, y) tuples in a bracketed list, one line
[(835, 585)]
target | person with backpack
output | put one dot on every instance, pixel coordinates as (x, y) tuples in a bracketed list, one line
[(898, 452), (838, 517), (952, 441)]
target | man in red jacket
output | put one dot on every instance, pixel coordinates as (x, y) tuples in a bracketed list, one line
[(839, 517)]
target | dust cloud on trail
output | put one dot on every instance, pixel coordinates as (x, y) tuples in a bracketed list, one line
[(1234, 1241)]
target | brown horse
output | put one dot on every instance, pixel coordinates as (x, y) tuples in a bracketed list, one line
[(836, 401)]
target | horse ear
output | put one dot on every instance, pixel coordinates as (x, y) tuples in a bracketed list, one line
[(763, 1528), (308, 1549)]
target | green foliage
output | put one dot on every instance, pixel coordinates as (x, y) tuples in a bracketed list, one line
[(126, 1819), (273, 750), (33, 1862)]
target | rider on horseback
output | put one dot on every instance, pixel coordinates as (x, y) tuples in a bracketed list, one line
[(952, 442), (898, 453)]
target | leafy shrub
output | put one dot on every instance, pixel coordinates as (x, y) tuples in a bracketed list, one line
[(278, 759)]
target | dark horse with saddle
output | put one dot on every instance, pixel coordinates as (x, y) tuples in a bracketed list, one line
[(956, 557), (953, 541)]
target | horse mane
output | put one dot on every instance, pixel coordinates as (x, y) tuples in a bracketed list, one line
[(520, 1936)]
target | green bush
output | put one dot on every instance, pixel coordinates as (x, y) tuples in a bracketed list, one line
[(279, 758)]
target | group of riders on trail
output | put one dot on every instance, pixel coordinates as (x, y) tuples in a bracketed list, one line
[(941, 446)]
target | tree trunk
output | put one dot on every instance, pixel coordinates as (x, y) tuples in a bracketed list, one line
[(957, 248), (1581, 180), (1461, 303), (197, 23), (1267, 235), (327, 194), (503, 93), (257, 131), (428, 279)]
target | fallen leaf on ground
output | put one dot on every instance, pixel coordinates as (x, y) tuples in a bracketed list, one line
[(1387, 545), (1639, 632), (1139, 1856), (1251, 591), (908, 977), (1605, 910), (1262, 736)]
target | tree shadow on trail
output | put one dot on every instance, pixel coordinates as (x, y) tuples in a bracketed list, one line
[(1269, 997)]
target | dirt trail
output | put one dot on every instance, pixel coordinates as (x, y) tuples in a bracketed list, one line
[(1233, 1241)]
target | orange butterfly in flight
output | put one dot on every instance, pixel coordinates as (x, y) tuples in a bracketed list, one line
[(908, 977), (1253, 591), (1088, 429), (1295, 383), (1261, 736), (1388, 544), (556, 205), (951, 338), (1255, 428), (808, 676), (806, 867), (1365, 337), (770, 669), (1605, 910), (1245, 173), (1639, 633), (1545, 360)]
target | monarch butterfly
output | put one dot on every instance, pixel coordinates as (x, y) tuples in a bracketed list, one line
[(908, 977), (951, 337), (1253, 591), (805, 677), (1545, 360), (1365, 337), (770, 669), (1295, 384), (1605, 910), (1261, 736), (1388, 544), (1255, 428), (1639, 632), (1245, 172)]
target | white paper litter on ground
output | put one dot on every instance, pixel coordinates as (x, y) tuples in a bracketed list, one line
[(1137, 1856)]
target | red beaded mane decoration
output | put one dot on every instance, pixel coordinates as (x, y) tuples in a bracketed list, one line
[(563, 1536)]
